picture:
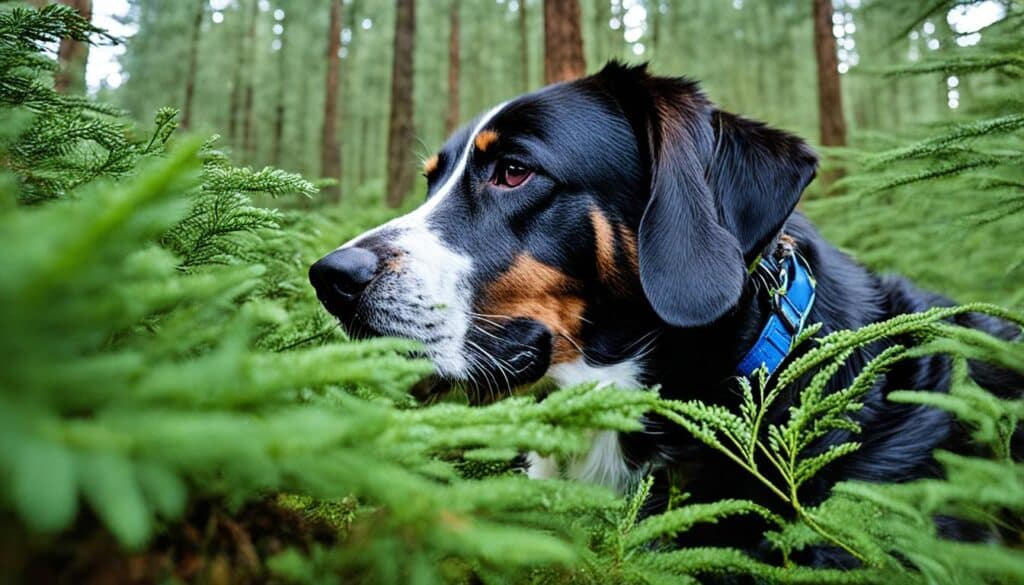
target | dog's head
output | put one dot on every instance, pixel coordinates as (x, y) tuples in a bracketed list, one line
[(556, 220)]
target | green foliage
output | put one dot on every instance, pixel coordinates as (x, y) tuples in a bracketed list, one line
[(961, 182), (162, 347), (64, 141)]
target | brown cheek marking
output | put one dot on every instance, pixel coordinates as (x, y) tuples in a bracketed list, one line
[(430, 165), (604, 249), (485, 139), (628, 239), (530, 288)]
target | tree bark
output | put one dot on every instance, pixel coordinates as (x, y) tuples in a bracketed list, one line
[(830, 98), (524, 46), (563, 41), (237, 83), (602, 31), (451, 121), (330, 146), (400, 123), (250, 80), (282, 70), (193, 64), (364, 148), (73, 56), (654, 17)]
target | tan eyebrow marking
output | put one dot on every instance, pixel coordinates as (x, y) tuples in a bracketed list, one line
[(485, 139), (430, 165)]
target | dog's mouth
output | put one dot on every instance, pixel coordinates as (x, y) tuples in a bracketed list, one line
[(500, 359), (503, 356), (431, 387), (487, 356)]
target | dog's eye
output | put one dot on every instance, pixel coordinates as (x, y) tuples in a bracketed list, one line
[(509, 174)]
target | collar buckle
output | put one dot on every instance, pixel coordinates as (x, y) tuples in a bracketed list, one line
[(791, 302)]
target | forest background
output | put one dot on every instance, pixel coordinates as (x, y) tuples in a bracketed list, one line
[(177, 405), (346, 90)]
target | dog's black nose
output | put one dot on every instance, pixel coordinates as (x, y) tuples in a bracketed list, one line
[(341, 276)]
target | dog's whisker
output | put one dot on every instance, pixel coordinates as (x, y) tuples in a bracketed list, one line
[(509, 317), (645, 339), (489, 322), (578, 347), (489, 378), (501, 339), (487, 354)]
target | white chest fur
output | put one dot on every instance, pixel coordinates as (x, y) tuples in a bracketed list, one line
[(604, 463)]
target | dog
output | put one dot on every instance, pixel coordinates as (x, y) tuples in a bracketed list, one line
[(621, 229)]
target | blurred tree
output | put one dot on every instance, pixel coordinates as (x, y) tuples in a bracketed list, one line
[(563, 41), (193, 60), (248, 147), (524, 46), (330, 148), (452, 118), (751, 56), (654, 16), (830, 96), (282, 71), (73, 55), (237, 85), (400, 123)]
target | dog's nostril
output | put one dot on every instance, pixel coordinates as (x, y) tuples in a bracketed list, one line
[(343, 273)]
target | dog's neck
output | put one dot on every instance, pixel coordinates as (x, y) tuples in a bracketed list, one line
[(703, 356), (643, 353), (701, 363)]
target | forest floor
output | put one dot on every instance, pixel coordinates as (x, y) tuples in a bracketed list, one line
[(211, 544)]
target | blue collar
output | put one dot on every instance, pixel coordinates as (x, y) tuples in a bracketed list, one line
[(791, 302)]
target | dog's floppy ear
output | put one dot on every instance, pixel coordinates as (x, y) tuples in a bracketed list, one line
[(691, 267), (756, 174), (721, 188)]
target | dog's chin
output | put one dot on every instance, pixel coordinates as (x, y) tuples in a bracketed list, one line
[(431, 387), (501, 358)]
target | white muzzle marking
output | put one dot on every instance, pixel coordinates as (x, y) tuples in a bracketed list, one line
[(431, 291)]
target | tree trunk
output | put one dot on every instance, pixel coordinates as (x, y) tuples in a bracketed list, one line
[(400, 123), (282, 71), (247, 115), (235, 103), (364, 148), (602, 31), (654, 17), (830, 98), (330, 147), (524, 46), (193, 61), (73, 55), (563, 41), (451, 121)]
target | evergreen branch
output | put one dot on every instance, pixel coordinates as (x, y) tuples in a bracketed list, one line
[(671, 523), (961, 66), (938, 144)]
